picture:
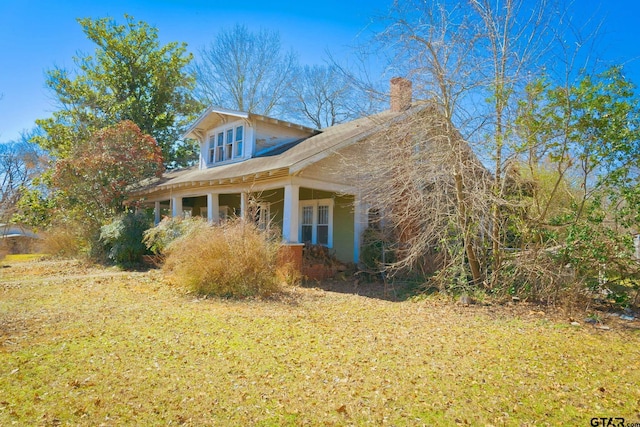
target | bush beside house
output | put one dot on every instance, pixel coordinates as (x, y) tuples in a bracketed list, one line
[(234, 259)]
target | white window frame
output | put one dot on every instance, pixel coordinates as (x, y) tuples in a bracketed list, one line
[(263, 215), (219, 155), (314, 229), (211, 153), (223, 141)]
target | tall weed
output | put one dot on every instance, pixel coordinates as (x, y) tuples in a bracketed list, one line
[(234, 259), (66, 240)]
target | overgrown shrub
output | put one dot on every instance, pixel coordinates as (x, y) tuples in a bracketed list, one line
[(376, 252), (122, 238), (235, 259), (65, 239), (158, 238)]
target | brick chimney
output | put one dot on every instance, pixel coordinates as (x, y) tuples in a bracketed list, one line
[(400, 94)]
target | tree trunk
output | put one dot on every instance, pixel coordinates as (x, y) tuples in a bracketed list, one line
[(474, 265)]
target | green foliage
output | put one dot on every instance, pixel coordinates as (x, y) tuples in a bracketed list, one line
[(580, 149), (122, 238), (596, 251), (235, 259), (89, 186), (157, 239), (375, 251), (129, 77), (184, 153), (122, 109), (35, 208), (587, 132)]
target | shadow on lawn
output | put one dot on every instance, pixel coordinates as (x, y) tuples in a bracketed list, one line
[(391, 291)]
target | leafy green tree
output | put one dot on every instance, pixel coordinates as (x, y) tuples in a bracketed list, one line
[(588, 134), (36, 207), (129, 77)]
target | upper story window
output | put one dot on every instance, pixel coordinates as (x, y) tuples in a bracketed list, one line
[(226, 144)]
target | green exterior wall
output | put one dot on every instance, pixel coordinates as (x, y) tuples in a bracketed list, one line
[(343, 227), (232, 201), (343, 230), (276, 208)]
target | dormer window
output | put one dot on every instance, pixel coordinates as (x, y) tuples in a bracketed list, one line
[(220, 148), (226, 144), (238, 142), (228, 147)]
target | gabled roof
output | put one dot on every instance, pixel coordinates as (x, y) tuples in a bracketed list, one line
[(301, 154), (218, 114)]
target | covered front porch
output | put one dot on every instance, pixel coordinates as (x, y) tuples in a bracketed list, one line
[(304, 211)]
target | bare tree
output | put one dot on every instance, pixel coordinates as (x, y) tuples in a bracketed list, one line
[(431, 191), (20, 162), (245, 71), (514, 36), (433, 46), (471, 60), (323, 96)]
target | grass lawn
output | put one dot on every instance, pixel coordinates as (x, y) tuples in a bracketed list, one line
[(82, 345)]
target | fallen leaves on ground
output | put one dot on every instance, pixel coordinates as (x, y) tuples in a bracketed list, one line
[(83, 345)]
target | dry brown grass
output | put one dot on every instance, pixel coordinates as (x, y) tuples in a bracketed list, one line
[(63, 241), (234, 259), (85, 346)]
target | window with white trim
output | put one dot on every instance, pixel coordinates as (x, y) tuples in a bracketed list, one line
[(238, 141), (212, 148), (316, 222), (226, 144), (220, 148), (263, 215)]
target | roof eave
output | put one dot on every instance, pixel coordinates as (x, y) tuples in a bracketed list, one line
[(301, 164), (212, 110)]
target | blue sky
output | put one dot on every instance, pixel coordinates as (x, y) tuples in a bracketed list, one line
[(36, 35)]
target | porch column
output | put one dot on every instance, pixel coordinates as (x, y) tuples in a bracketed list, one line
[(244, 204), (176, 207), (156, 213), (290, 219), (213, 208), (359, 225)]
